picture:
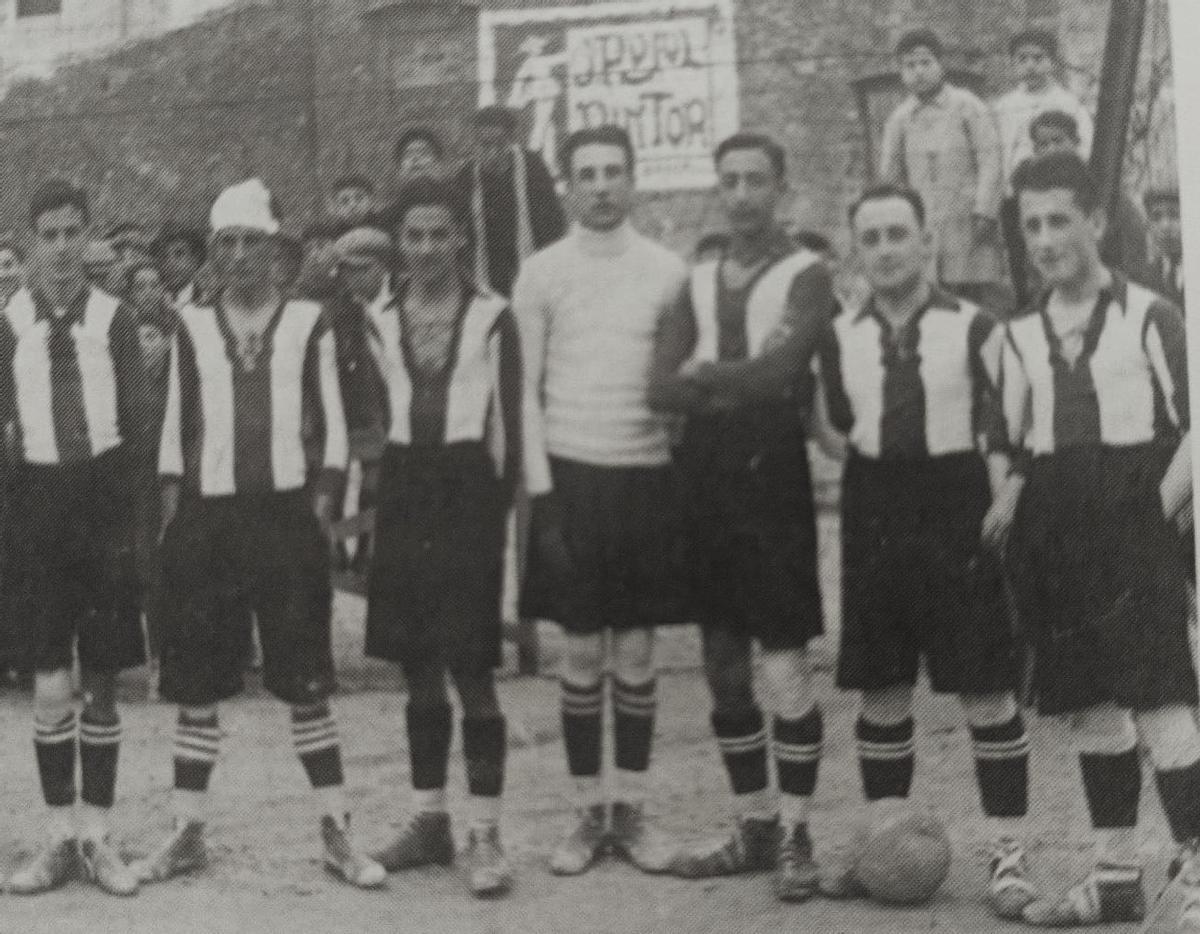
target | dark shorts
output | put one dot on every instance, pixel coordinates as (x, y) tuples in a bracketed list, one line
[(72, 569), (751, 550), (621, 529), (916, 581), (433, 597), (225, 556), (1099, 583)]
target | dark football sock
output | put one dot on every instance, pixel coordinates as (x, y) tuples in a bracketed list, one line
[(54, 745), (99, 746), (1002, 767), (886, 758)]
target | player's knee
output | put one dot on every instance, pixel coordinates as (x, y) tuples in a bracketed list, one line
[(983, 710), (633, 656), (888, 706), (1103, 729), (789, 680), (477, 694), (52, 700), (100, 696), (205, 714), (1171, 735), (583, 659)]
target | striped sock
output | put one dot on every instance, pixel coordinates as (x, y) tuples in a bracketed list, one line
[(54, 745), (315, 736), (99, 746), (484, 747), (742, 739), (886, 758), (1179, 792), (1112, 785), (582, 708), (1002, 767), (634, 706), (796, 744), (197, 742)]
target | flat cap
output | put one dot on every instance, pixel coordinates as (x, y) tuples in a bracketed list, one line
[(362, 244)]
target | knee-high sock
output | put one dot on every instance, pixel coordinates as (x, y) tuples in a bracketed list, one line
[(582, 710), (1112, 784), (797, 747), (634, 706), (1179, 791), (742, 739), (429, 729), (197, 744), (886, 758), (484, 749), (99, 748), (1002, 767), (315, 736), (54, 746)]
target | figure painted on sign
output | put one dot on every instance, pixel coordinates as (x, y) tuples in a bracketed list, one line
[(534, 83)]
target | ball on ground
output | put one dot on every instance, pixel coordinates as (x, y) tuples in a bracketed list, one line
[(905, 859)]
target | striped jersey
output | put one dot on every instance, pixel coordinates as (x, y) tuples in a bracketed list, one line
[(71, 379), (471, 392), (927, 389), (1128, 385), (240, 422)]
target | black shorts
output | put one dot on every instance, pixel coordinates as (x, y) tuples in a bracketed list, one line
[(621, 528), (1099, 582), (751, 549), (225, 556), (916, 580), (433, 597), (71, 578)]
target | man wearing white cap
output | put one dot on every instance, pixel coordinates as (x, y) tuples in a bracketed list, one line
[(248, 373)]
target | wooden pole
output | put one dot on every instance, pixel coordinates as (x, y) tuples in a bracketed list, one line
[(1118, 75)]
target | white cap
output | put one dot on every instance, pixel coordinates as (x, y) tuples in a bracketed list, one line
[(246, 204)]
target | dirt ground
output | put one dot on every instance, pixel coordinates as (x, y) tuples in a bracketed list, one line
[(265, 876)]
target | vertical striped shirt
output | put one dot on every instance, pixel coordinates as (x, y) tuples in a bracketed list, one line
[(473, 394), (927, 389), (1128, 385), (236, 425), (71, 379)]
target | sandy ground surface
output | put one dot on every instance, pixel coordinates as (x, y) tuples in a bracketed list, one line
[(265, 876)]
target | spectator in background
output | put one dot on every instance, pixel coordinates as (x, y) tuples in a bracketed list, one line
[(1162, 208), (180, 251), (1125, 243), (99, 261), (418, 154), (513, 206), (12, 269), (143, 286), (351, 200), (318, 263), (941, 141)]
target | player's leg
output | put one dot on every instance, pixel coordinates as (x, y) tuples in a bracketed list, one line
[(797, 735), (485, 747), (582, 699), (426, 838), (1000, 748), (293, 602), (1105, 741), (634, 704), (741, 732)]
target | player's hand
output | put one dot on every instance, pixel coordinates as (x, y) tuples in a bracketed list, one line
[(998, 522), (323, 510), (170, 506), (690, 368), (983, 228)]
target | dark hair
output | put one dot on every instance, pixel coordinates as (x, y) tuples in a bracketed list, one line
[(427, 192), (1058, 170), (418, 134), (353, 180), (1151, 197), (760, 141), (1035, 35), (495, 115), (882, 193), (176, 232), (54, 194), (323, 227), (919, 39), (607, 135), (812, 241), (1055, 120)]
